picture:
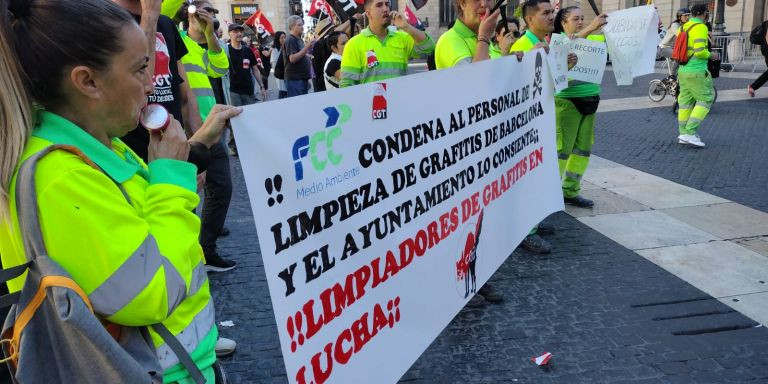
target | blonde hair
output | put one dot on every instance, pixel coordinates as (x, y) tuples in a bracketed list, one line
[(16, 120)]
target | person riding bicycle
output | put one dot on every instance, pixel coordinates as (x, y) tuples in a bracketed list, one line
[(668, 42)]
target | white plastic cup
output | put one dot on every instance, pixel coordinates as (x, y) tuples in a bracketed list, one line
[(155, 118)]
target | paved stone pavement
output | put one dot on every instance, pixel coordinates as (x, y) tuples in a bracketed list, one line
[(606, 313), (732, 166)]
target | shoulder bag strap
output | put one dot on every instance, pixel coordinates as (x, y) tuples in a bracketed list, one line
[(180, 352)]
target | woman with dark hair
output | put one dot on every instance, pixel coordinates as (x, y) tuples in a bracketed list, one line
[(668, 42), (277, 46), (123, 230), (575, 111), (332, 70)]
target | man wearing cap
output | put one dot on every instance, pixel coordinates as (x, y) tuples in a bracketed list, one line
[(242, 70), (379, 52)]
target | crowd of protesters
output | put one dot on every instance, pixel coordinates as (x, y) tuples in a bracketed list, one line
[(74, 111)]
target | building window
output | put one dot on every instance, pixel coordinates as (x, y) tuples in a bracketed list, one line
[(447, 13)]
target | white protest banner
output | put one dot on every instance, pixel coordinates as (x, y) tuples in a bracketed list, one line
[(557, 61), (592, 58), (632, 39), (382, 209)]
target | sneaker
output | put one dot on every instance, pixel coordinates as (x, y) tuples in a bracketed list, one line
[(751, 91), (225, 347), (215, 263), (694, 140), (546, 229), (579, 201), (534, 243), (489, 294)]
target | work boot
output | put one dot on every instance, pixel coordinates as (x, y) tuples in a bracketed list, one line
[(489, 294), (578, 201), (225, 347), (546, 229), (534, 243)]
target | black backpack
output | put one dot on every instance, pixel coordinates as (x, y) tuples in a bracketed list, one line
[(757, 36), (280, 66)]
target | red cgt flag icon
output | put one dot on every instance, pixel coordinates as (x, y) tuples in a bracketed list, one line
[(261, 24)]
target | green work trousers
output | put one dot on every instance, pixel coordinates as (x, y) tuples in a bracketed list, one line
[(575, 136), (695, 100)]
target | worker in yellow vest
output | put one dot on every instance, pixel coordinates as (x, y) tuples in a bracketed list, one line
[(470, 38), (205, 58), (124, 230), (378, 52), (575, 111), (696, 88)]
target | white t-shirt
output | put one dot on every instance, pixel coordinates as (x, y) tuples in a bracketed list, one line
[(332, 65)]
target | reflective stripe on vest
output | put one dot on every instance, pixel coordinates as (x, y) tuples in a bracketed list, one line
[(120, 288), (189, 337)]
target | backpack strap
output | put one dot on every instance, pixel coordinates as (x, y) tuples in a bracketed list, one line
[(180, 352), (691, 27), (29, 223)]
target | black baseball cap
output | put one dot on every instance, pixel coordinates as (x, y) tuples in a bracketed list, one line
[(234, 27)]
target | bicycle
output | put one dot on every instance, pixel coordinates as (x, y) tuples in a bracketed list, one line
[(658, 89)]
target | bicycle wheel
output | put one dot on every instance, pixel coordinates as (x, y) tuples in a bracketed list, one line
[(656, 90)]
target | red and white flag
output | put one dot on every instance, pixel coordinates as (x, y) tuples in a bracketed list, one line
[(259, 22), (543, 359), (321, 6), (412, 18)]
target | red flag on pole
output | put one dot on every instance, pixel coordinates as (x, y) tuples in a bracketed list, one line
[(419, 3), (412, 18), (261, 24), (320, 6)]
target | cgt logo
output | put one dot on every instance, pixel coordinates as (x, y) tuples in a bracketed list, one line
[(321, 141)]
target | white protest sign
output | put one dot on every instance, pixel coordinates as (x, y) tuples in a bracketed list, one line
[(557, 61), (632, 39), (375, 232), (592, 58)]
